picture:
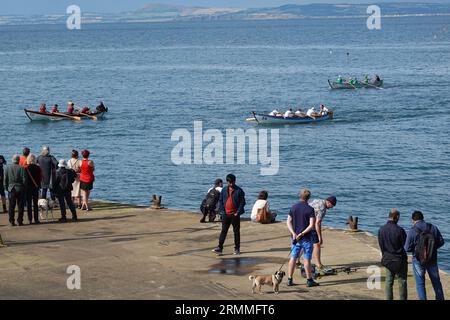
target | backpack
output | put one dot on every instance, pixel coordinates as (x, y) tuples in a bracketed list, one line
[(425, 245), (263, 216), (211, 199), (67, 179)]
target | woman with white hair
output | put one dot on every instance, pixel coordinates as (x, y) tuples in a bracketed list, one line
[(48, 164), (33, 179)]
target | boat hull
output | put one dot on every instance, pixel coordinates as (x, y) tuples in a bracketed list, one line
[(358, 85), (267, 119), (39, 116)]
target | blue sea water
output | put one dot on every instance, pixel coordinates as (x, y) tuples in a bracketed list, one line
[(385, 148)]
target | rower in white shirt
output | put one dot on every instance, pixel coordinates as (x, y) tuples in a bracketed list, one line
[(299, 113), (311, 112), (289, 113), (274, 113), (323, 110)]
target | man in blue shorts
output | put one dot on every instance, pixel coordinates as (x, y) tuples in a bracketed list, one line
[(300, 222)]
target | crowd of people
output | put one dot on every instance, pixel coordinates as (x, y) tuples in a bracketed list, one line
[(311, 112), (304, 223), (72, 109), (29, 178)]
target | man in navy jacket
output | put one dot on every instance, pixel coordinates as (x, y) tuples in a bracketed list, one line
[(231, 207)]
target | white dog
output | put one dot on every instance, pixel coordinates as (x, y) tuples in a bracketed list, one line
[(46, 206)]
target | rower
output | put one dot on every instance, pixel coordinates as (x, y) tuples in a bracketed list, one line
[(274, 113), (299, 113), (323, 110), (43, 108), (101, 107), (377, 78), (339, 79), (71, 107), (289, 113), (366, 79), (311, 112), (55, 109), (86, 110)]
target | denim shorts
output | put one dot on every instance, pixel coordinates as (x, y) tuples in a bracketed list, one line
[(307, 247), (314, 237)]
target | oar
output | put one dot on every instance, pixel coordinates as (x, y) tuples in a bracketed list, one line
[(368, 84), (67, 116), (351, 85), (88, 115)]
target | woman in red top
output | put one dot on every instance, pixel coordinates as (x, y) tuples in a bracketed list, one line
[(86, 178)]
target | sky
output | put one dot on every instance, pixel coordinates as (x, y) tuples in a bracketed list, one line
[(28, 7)]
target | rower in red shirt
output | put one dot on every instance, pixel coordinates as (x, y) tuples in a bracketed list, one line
[(86, 110), (43, 108), (55, 109), (71, 108)]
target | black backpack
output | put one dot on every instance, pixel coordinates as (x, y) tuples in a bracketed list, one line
[(425, 245), (211, 199), (67, 179)]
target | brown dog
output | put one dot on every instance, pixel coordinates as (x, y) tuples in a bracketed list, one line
[(273, 280)]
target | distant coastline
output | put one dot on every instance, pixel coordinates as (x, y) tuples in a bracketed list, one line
[(170, 13)]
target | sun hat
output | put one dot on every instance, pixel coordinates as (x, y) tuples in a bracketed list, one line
[(62, 163)]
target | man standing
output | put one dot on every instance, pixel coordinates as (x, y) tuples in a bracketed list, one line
[(231, 207), (391, 239), (300, 222), (423, 240), (320, 210), (63, 190), (15, 185), (2, 184), (48, 164)]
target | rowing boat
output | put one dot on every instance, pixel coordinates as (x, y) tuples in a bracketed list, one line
[(356, 85), (48, 116), (268, 119)]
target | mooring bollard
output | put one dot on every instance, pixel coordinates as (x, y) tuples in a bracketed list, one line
[(353, 223), (156, 202)]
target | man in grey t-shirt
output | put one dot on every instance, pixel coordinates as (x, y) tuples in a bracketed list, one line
[(320, 209)]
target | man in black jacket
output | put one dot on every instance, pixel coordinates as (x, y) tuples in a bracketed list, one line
[(391, 239), (63, 190), (231, 207)]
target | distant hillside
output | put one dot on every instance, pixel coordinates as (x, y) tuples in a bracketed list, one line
[(164, 12)]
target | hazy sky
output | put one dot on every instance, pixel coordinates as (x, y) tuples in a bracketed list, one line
[(59, 6)]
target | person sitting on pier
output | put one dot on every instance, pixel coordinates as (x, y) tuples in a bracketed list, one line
[(289, 113), (85, 110), (261, 211), (274, 113), (43, 108), (55, 109)]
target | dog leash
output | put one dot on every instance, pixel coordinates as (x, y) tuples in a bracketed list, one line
[(293, 246)]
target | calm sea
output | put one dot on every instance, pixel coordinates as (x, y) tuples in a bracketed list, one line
[(385, 148)]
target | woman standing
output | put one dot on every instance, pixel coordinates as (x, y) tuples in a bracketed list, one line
[(75, 164), (2, 186), (33, 179), (86, 178)]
